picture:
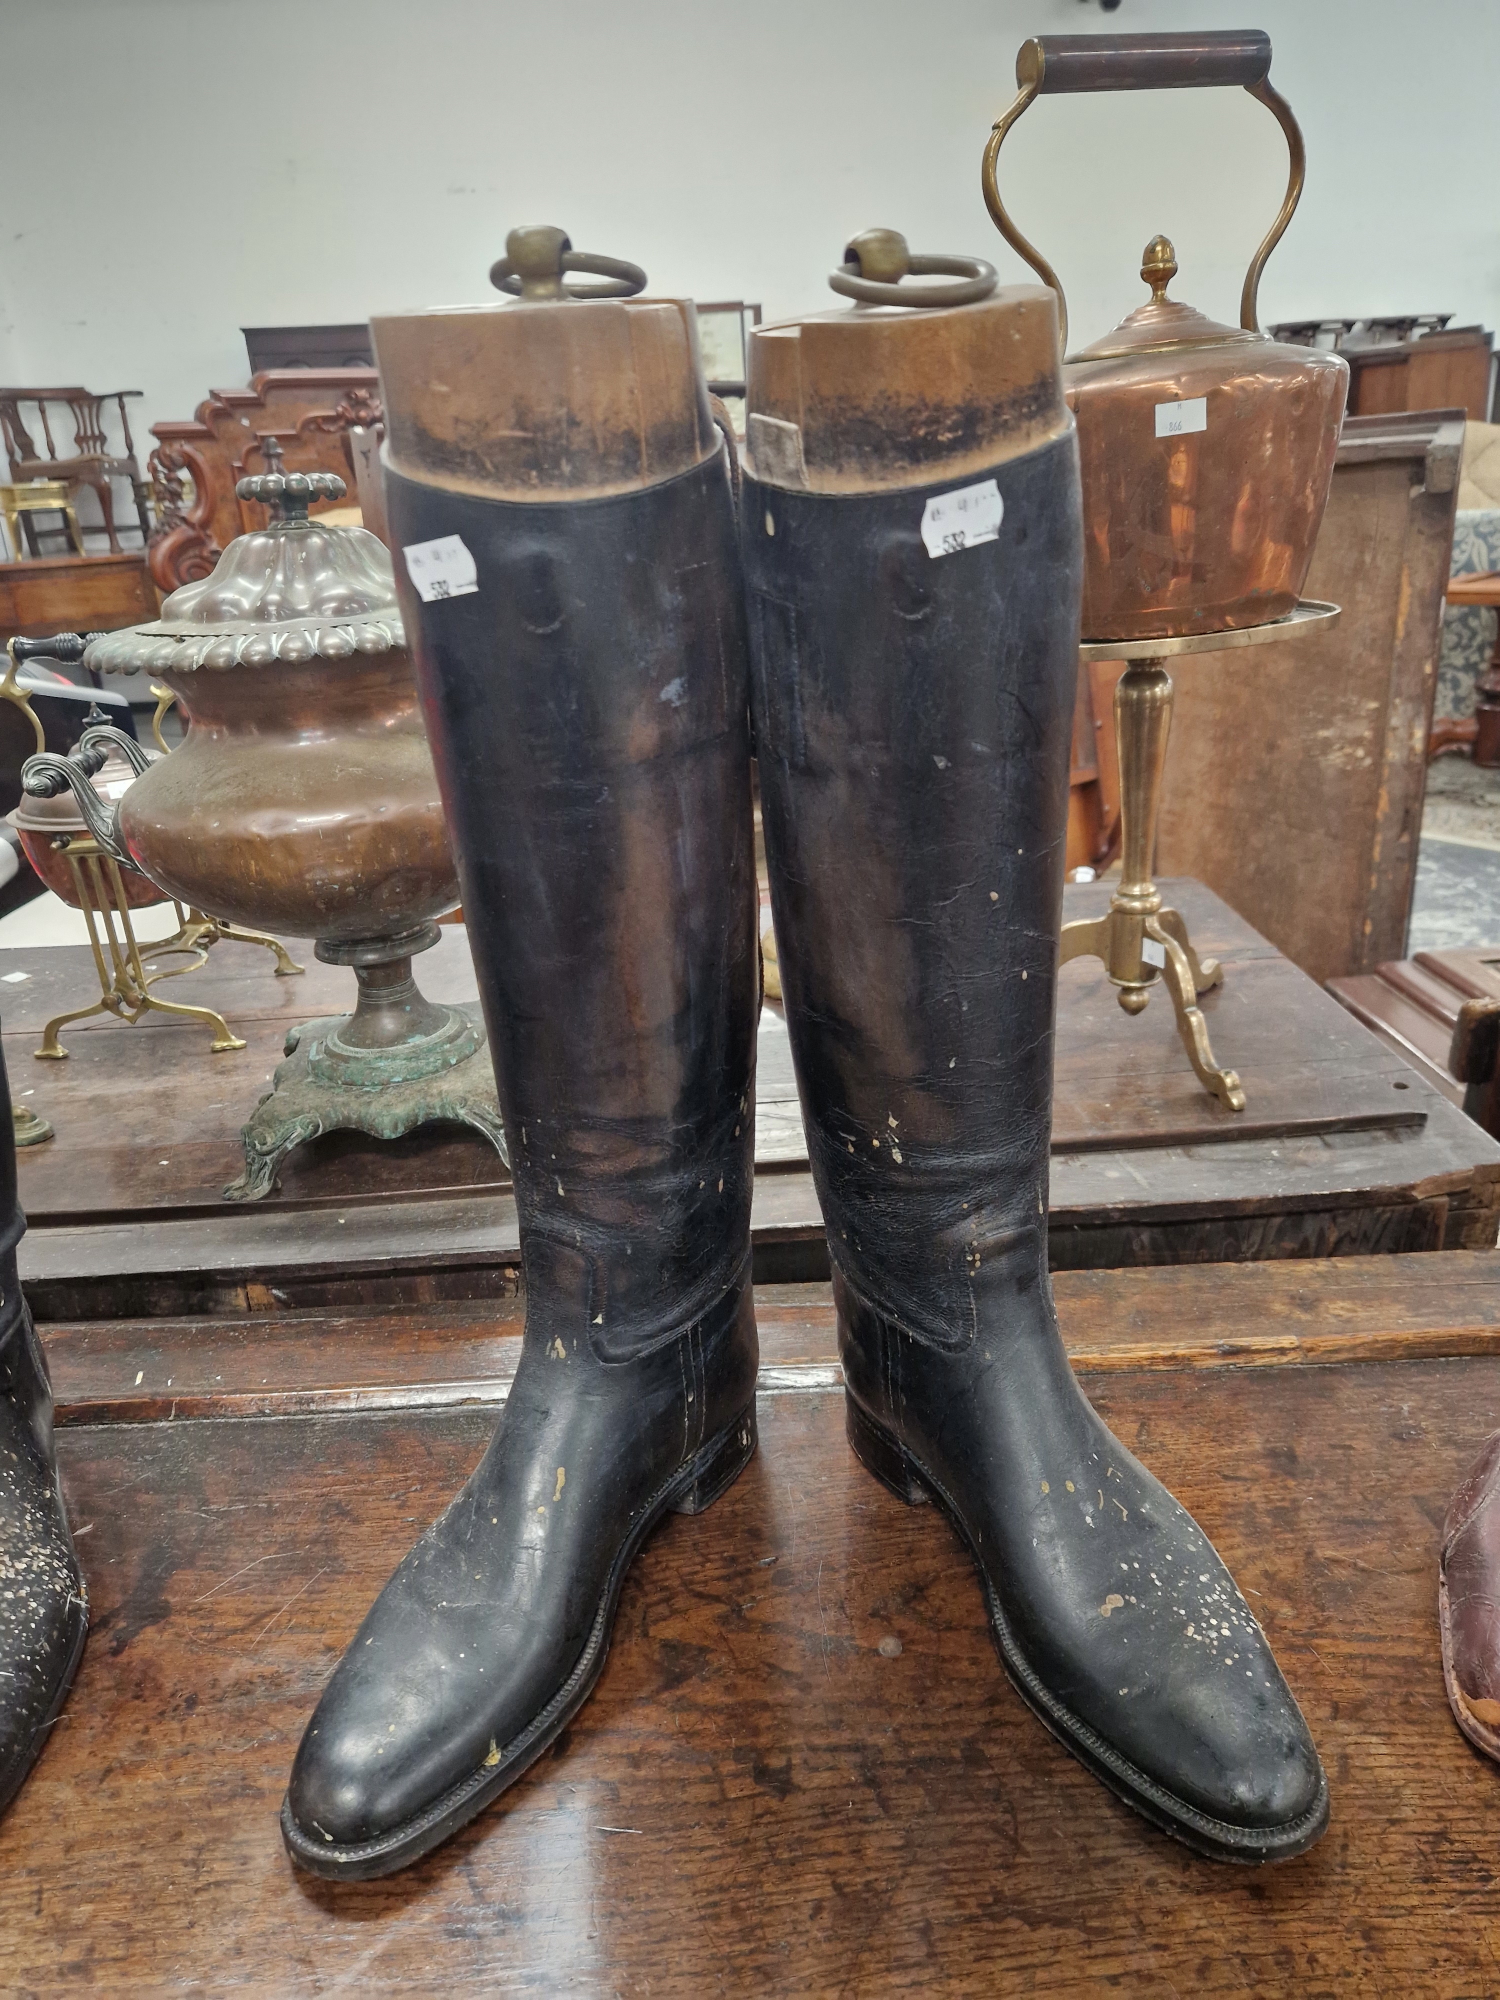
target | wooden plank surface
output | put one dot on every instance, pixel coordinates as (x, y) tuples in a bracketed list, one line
[(759, 1799), (1342, 1150), (148, 1120), (450, 1353)]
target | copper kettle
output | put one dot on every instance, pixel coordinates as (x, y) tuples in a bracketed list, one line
[(1206, 450)]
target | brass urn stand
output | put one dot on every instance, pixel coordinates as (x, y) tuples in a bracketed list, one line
[(1138, 940), (398, 1061)]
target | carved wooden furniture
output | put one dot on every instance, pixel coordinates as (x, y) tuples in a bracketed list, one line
[(74, 593), (309, 411), (1295, 789), (95, 461), (39, 496)]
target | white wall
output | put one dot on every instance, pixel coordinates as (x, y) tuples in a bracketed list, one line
[(257, 162)]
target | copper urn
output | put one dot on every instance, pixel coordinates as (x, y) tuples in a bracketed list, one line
[(303, 799), (1206, 450)]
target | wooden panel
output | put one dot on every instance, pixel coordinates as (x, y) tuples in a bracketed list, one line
[(280, 1363), (1438, 371), (1296, 773), (50, 594), (759, 1798)]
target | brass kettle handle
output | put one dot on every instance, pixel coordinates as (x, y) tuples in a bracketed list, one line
[(1058, 64), (877, 260), (536, 258)]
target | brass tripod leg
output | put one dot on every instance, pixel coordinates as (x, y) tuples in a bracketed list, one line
[(1207, 972), (1178, 975)]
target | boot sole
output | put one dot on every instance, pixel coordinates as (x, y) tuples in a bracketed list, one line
[(692, 1489), (888, 1460), (18, 1776)]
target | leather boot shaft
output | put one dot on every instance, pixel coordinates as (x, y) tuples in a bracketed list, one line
[(914, 714), (587, 708)]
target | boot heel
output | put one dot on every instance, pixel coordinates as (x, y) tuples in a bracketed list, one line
[(719, 1465), (879, 1453)]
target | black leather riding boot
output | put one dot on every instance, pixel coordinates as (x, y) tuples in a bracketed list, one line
[(586, 701), (44, 1611), (913, 707)]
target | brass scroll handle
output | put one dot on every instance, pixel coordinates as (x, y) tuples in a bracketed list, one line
[(878, 259), (536, 258), (1057, 64)]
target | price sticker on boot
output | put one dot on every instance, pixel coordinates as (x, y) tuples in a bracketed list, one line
[(963, 518), (1175, 420), (443, 568)]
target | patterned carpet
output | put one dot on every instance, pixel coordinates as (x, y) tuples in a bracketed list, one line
[(1457, 900)]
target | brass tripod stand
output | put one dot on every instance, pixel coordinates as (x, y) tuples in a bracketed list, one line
[(1138, 939)]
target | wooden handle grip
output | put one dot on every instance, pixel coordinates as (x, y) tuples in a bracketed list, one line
[(1056, 64), (66, 646)]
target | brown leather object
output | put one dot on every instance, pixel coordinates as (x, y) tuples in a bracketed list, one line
[(1469, 1601)]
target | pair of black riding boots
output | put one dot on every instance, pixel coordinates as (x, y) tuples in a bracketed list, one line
[(590, 703)]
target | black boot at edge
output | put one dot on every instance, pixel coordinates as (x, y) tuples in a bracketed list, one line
[(913, 719), (587, 708), (44, 1615)]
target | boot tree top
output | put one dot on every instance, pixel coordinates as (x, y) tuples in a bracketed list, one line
[(573, 392), (917, 382)]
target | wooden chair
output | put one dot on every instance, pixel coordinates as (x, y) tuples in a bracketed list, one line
[(94, 463)]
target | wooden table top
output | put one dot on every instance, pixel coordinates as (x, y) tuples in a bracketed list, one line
[(1341, 1147), (759, 1799), (1482, 587)]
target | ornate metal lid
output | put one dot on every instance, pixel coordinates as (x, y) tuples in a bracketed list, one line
[(297, 590), (1163, 325)]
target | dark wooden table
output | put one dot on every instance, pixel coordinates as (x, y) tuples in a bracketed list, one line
[(1342, 1149), (765, 1795)]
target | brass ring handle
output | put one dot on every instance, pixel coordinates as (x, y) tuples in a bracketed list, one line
[(878, 259), (536, 258), (1058, 64)]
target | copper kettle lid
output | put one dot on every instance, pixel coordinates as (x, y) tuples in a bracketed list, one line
[(296, 590), (1162, 325), (60, 814)]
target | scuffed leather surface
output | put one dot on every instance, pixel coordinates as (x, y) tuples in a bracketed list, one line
[(912, 714), (43, 1603), (588, 717), (913, 720), (1471, 1571), (587, 713)]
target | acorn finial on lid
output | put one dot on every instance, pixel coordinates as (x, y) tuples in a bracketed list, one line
[(1158, 267)]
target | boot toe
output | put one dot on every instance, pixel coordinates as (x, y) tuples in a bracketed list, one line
[(343, 1792), (1254, 1766)]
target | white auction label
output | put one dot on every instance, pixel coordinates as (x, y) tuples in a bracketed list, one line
[(962, 519), (1153, 953), (443, 568), (1175, 420)]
